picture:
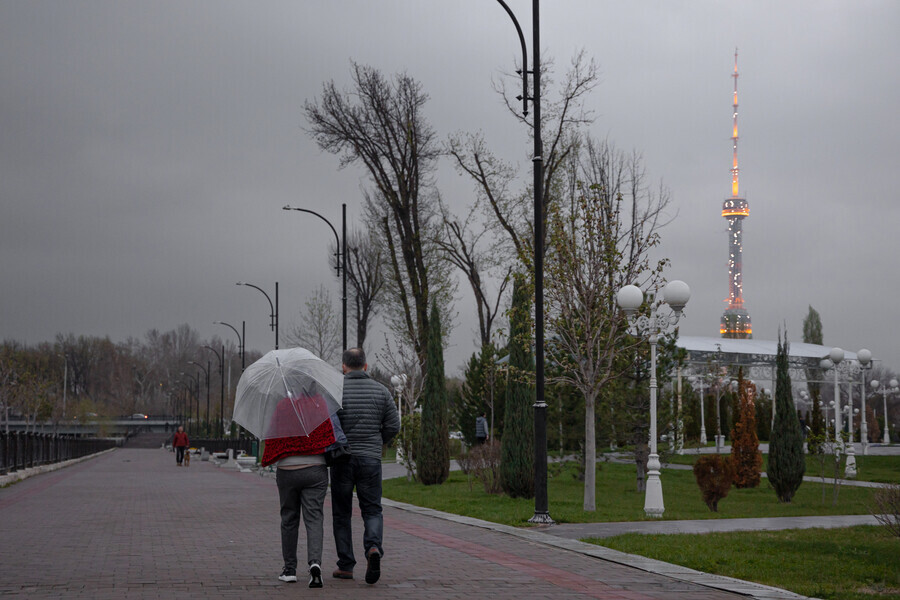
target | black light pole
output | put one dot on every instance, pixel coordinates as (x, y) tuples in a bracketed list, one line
[(273, 323), (196, 377), (340, 259), (240, 339), (221, 358), (205, 372), (541, 508)]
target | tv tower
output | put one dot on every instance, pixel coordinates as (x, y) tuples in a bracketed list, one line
[(736, 320)]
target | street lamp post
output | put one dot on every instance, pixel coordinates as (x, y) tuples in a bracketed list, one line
[(541, 507), (221, 420), (865, 363), (340, 260), (239, 337), (701, 383), (195, 376), (65, 383), (837, 356), (181, 409), (890, 388), (676, 294), (399, 383), (205, 372), (273, 316)]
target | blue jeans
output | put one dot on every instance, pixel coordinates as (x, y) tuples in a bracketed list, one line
[(364, 474)]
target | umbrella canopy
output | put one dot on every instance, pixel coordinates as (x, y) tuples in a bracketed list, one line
[(286, 393)]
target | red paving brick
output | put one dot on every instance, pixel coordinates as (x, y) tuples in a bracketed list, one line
[(130, 524)]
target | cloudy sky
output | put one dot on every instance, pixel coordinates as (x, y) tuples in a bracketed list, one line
[(147, 147)]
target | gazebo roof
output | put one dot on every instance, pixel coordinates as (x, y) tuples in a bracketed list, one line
[(754, 352)]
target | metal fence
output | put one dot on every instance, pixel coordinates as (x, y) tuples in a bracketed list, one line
[(248, 445), (20, 450)]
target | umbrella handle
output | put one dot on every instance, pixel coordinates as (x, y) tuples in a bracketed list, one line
[(290, 394)]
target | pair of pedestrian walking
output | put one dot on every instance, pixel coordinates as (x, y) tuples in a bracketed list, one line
[(368, 419)]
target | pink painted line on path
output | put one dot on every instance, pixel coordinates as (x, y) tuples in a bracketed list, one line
[(558, 577)]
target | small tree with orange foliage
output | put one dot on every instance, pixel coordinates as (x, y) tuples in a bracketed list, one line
[(745, 454), (714, 474)]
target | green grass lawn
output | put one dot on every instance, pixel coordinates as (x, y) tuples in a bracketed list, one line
[(880, 469), (618, 500), (854, 563)]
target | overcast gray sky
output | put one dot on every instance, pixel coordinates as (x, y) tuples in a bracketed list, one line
[(146, 149)]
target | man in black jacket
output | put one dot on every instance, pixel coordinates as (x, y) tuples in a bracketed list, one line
[(370, 420)]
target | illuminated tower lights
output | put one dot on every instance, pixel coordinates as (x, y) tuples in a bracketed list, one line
[(736, 319)]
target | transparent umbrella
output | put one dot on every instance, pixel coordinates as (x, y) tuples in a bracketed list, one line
[(288, 392)]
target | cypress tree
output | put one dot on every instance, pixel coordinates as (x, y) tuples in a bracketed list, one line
[(786, 461), (433, 461), (517, 445)]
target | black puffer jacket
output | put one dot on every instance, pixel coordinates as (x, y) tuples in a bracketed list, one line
[(368, 415)]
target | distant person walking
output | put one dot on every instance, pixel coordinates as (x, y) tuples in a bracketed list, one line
[(369, 419), (481, 429), (180, 442)]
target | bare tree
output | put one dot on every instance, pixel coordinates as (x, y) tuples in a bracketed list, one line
[(380, 125), (463, 245), (319, 330), (600, 242), (509, 210), (365, 272)]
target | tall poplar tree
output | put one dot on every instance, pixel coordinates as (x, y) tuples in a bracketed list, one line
[(812, 334), (433, 462), (786, 460), (517, 445)]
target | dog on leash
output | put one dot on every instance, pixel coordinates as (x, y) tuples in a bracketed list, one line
[(187, 457)]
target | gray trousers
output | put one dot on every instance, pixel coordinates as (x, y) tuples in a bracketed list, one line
[(302, 491)]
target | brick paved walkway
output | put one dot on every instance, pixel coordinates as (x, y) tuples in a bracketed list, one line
[(130, 524)]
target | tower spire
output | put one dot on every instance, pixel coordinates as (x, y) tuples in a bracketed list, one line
[(734, 136)]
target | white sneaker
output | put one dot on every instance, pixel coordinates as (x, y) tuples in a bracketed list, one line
[(288, 576)]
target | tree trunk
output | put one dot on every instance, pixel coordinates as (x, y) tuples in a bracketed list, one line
[(590, 454)]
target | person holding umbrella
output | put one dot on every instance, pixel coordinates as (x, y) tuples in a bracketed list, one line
[(369, 419), (288, 399), (302, 480)]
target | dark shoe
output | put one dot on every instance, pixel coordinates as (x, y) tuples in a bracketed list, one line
[(341, 574), (373, 565), (315, 575), (288, 576)]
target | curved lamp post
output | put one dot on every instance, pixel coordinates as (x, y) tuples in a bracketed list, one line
[(205, 372), (889, 388), (340, 259), (239, 336), (195, 377), (180, 410), (541, 506), (630, 298), (221, 419), (273, 316)]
